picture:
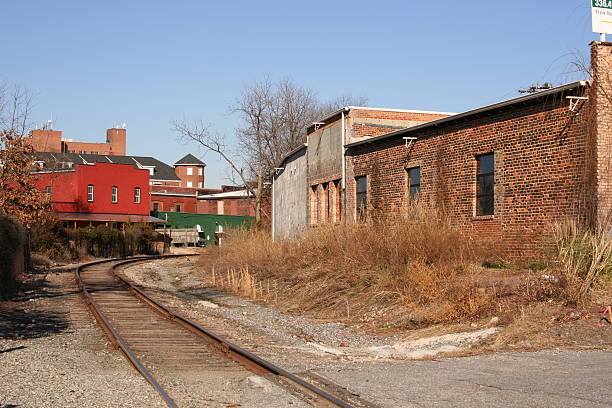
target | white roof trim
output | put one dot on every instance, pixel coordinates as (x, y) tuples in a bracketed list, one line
[(227, 194), (400, 110)]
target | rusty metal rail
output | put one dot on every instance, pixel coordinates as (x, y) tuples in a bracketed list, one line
[(232, 351)]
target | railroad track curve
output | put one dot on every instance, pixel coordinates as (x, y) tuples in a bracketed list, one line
[(154, 338)]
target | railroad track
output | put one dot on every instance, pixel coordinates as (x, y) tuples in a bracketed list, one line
[(157, 340)]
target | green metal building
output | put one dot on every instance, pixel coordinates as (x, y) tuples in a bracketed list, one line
[(206, 222)]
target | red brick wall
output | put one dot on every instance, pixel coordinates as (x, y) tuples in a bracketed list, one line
[(169, 202), (540, 171), (50, 141), (87, 148), (601, 56), (46, 140), (181, 172), (385, 114), (371, 130), (325, 202), (231, 206)]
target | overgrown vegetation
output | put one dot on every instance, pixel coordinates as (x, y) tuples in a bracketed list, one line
[(583, 255), (413, 271), (107, 242), (52, 240), (417, 267)]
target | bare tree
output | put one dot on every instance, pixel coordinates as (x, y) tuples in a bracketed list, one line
[(15, 109), (341, 102), (274, 118), (202, 134)]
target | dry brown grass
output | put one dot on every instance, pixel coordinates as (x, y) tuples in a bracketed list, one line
[(414, 270), (583, 256), (418, 272)]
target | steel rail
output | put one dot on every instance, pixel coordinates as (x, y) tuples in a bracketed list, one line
[(236, 353), (116, 338)]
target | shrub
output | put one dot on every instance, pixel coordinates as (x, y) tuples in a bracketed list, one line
[(12, 252), (582, 255), (107, 242), (50, 239)]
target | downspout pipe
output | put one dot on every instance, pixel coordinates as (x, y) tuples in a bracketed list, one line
[(273, 208), (342, 130)]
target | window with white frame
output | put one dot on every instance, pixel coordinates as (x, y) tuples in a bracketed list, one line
[(137, 195), (189, 171), (189, 184), (90, 193), (114, 194), (200, 171)]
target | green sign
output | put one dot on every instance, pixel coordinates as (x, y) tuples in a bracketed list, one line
[(602, 3)]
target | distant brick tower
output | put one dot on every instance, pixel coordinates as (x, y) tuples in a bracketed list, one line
[(115, 137), (191, 171)]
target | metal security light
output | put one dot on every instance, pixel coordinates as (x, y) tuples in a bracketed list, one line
[(409, 141)]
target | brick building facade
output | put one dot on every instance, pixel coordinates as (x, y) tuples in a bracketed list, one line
[(88, 194), (506, 171), (547, 158), (48, 140)]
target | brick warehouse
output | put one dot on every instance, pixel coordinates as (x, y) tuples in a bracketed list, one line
[(506, 171)]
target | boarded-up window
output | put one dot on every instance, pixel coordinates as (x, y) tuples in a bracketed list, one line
[(314, 205)]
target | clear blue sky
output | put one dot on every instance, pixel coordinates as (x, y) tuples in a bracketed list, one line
[(146, 63)]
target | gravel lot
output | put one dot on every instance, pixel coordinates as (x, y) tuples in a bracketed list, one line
[(53, 355)]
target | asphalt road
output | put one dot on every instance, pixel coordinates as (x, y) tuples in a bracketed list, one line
[(541, 379)]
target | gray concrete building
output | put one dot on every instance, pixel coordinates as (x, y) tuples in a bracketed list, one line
[(290, 196)]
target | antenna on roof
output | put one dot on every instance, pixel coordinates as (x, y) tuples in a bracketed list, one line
[(537, 87)]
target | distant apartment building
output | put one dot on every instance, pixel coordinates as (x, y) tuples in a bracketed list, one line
[(49, 140), (178, 188)]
